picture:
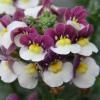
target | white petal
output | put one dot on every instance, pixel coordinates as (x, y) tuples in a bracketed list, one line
[(16, 24), (51, 79), (74, 48), (6, 40), (17, 40), (84, 81), (1, 26), (61, 50), (8, 9), (88, 50), (93, 68), (27, 81), (67, 72), (33, 12), (19, 68), (38, 57), (24, 54), (6, 73), (29, 4)]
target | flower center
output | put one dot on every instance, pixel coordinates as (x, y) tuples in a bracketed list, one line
[(35, 48), (6, 1), (82, 68), (75, 22), (63, 41), (3, 31), (83, 41), (31, 69), (56, 66)]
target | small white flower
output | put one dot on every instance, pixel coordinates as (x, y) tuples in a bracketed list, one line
[(58, 73), (6, 73), (87, 48), (6, 38), (64, 47), (6, 6), (86, 73), (25, 4), (27, 74)]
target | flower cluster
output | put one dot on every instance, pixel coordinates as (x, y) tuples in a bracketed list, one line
[(46, 42)]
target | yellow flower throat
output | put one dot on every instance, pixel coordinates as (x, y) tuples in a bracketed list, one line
[(82, 68), (6, 1), (63, 41), (75, 22), (31, 69), (35, 48), (83, 41), (56, 66)]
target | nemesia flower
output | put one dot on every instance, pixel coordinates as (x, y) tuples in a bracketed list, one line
[(27, 74), (33, 46), (58, 73), (6, 39), (63, 36), (7, 7), (6, 73), (24, 4), (76, 17), (86, 73), (87, 48)]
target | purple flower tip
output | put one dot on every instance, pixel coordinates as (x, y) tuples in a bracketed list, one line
[(5, 20), (13, 96), (32, 96)]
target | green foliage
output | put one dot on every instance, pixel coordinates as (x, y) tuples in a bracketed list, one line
[(46, 20)]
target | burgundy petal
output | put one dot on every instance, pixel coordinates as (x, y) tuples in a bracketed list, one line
[(79, 12), (19, 15), (71, 32), (60, 29), (6, 20), (47, 42), (13, 96), (87, 31), (25, 40), (68, 14), (47, 3), (11, 49), (62, 11), (51, 33)]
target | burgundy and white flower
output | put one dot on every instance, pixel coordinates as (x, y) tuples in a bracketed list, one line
[(6, 38), (86, 73), (76, 17), (64, 37), (87, 47), (32, 46)]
